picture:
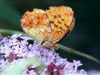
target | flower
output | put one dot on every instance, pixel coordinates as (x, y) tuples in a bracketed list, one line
[(0, 37), (16, 47), (3, 64), (94, 72)]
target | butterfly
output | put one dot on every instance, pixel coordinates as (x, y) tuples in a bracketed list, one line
[(49, 26)]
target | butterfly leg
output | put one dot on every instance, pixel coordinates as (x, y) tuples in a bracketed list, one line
[(54, 47)]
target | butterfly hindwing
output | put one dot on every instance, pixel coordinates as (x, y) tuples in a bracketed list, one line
[(36, 24)]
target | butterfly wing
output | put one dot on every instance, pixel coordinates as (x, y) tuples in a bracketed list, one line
[(36, 24), (61, 20), (50, 25)]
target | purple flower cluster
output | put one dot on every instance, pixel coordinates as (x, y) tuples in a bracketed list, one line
[(11, 48)]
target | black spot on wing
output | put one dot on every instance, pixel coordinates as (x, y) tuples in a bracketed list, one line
[(55, 16), (51, 22), (63, 20), (55, 25), (30, 22), (59, 16), (59, 22), (65, 25), (59, 32), (61, 28), (64, 35)]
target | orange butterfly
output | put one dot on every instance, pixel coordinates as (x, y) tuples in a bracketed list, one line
[(49, 26)]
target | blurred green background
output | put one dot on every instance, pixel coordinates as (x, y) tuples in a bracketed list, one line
[(85, 36)]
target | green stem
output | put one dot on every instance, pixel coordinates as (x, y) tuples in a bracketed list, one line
[(78, 53)]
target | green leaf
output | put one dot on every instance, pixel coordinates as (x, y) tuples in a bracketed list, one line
[(5, 31), (17, 69), (9, 14), (9, 32)]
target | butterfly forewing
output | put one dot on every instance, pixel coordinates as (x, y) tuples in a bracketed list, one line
[(60, 19)]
